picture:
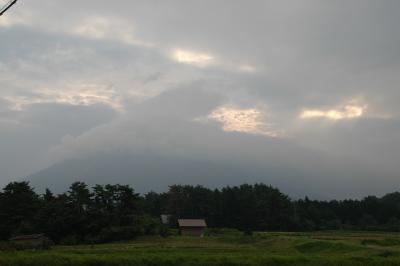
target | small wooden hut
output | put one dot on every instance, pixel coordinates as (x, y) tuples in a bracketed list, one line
[(192, 227)]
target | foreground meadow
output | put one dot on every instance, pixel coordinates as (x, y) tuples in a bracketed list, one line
[(323, 248)]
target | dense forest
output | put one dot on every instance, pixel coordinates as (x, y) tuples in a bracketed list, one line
[(115, 212)]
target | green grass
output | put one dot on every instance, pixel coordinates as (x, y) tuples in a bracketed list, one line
[(314, 249)]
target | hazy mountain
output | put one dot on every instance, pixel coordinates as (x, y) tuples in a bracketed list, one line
[(146, 173)]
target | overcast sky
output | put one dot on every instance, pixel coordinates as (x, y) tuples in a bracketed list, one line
[(308, 85)]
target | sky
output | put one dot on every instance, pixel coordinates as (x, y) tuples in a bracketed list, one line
[(310, 86)]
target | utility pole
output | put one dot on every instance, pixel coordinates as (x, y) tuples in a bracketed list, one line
[(7, 6)]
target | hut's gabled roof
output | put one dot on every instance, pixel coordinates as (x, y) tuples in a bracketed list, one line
[(192, 223)]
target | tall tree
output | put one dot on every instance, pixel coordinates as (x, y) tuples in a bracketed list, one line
[(18, 207)]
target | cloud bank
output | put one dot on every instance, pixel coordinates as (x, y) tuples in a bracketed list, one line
[(291, 81)]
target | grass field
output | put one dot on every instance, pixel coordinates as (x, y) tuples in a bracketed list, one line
[(322, 248)]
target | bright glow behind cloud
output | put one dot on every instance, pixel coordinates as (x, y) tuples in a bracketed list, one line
[(83, 94), (192, 58), (348, 111), (250, 121)]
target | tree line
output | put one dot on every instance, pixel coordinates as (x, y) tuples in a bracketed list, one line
[(106, 213)]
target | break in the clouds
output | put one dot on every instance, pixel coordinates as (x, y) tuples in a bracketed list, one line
[(77, 94), (245, 83), (192, 58), (247, 121), (345, 111)]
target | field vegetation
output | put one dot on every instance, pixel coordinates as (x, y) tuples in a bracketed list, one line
[(228, 247)]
